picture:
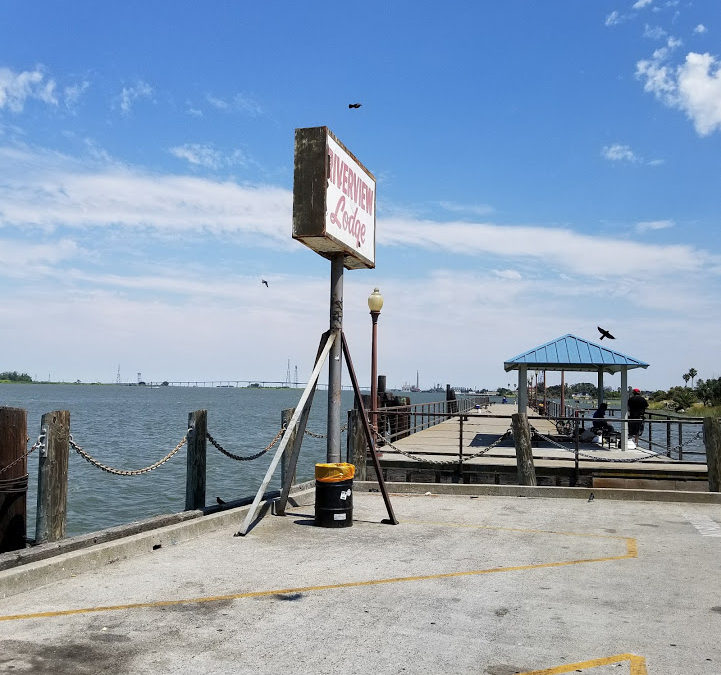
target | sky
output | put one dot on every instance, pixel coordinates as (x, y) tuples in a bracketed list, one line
[(542, 168)]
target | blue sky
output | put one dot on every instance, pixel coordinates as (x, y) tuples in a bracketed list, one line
[(542, 168)]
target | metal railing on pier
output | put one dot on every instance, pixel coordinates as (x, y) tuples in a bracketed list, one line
[(400, 421), (678, 437)]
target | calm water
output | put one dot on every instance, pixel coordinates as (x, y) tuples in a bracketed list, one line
[(133, 427)]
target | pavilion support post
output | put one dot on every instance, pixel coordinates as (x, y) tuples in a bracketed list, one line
[(624, 408), (523, 389), (600, 386), (563, 394)]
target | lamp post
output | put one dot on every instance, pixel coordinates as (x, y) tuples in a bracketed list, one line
[(375, 304)]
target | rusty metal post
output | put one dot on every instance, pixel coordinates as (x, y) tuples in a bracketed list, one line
[(335, 366)]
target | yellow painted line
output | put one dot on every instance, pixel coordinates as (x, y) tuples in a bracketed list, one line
[(630, 553), (637, 663)]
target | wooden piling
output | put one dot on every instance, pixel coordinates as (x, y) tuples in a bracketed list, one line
[(196, 459), (712, 441), (357, 444), (285, 418), (524, 453), (51, 515), (13, 481)]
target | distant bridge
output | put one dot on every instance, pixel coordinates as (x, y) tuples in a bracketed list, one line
[(246, 384)]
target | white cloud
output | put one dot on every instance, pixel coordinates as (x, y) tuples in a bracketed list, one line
[(52, 190), (19, 256), (129, 95), (243, 103), (649, 225), (72, 94), (700, 29), (693, 87), (16, 88), (640, 4), (699, 90), (654, 32), (510, 275), (619, 153), (208, 156), (472, 209), (555, 248), (613, 18)]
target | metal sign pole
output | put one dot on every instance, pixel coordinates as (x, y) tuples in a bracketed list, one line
[(335, 365)]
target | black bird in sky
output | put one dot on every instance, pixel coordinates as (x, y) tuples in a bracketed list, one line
[(355, 105), (605, 333), (263, 281)]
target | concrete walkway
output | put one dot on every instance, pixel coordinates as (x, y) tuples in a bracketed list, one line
[(464, 584)]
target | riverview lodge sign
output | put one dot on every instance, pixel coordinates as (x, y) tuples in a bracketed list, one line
[(334, 199)]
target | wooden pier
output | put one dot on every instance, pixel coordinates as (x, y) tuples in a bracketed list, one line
[(444, 453)]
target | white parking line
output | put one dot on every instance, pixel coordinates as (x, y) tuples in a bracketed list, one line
[(704, 525)]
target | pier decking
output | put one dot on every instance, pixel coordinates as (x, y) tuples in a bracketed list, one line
[(435, 454)]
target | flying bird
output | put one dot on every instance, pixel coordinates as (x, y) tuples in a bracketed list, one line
[(263, 281), (355, 105), (605, 333)]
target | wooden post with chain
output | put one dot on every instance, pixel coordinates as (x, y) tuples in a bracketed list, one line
[(52, 502), (196, 456), (13, 498), (712, 441), (524, 452)]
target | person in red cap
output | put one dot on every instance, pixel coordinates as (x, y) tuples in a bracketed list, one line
[(637, 405)]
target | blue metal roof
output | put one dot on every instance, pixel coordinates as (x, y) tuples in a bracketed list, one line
[(573, 353)]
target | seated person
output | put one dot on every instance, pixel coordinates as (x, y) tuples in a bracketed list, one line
[(600, 426)]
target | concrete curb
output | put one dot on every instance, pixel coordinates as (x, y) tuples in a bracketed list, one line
[(60, 560), (464, 489)]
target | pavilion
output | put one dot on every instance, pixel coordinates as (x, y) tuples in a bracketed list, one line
[(571, 353)]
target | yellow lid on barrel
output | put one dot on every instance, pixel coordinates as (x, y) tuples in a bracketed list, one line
[(334, 473)]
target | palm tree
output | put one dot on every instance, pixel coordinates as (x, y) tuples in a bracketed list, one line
[(692, 372), (686, 378)]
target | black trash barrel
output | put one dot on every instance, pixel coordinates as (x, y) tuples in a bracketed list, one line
[(334, 495)]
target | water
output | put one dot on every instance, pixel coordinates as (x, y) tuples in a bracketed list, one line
[(133, 427)]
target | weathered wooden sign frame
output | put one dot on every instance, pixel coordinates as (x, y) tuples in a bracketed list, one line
[(334, 199)]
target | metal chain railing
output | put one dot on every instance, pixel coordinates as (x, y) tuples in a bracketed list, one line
[(455, 461), (314, 434), (239, 458), (595, 458), (123, 472), (39, 443), (680, 446)]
